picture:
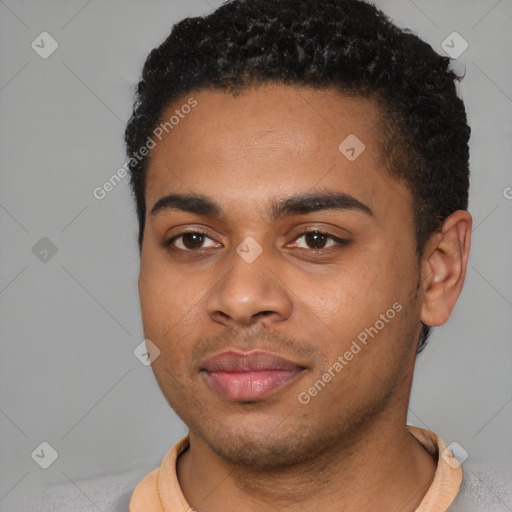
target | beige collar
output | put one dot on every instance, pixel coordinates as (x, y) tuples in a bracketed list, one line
[(159, 491)]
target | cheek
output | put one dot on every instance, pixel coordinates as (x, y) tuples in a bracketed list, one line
[(350, 299), (341, 295), (171, 304), (153, 302), (166, 296)]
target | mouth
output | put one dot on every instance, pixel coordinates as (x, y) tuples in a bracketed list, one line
[(249, 376)]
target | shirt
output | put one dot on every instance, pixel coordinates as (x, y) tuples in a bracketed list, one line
[(160, 491), (485, 488)]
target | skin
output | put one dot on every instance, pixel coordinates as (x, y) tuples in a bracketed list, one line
[(303, 299)]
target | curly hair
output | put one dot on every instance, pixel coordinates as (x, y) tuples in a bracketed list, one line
[(346, 45)]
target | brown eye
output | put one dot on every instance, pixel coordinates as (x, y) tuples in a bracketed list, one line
[(318, 240), (315, 239), (193, 240), (189, 241)]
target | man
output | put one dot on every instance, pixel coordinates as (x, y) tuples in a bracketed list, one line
[(300, 171)]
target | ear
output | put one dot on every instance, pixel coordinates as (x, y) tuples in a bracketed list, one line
[(443, 268)]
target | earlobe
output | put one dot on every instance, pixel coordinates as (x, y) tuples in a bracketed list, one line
[(444, 266)]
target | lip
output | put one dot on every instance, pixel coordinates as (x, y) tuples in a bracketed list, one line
[(249, 376)]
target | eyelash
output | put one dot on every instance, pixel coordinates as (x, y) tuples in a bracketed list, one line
[(340, 241)]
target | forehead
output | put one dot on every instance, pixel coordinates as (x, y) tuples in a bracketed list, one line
[(272, 140)]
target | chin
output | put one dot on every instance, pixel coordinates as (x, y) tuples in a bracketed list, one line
[(272, 447)]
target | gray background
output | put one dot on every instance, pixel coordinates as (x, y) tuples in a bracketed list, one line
[(69, 325)]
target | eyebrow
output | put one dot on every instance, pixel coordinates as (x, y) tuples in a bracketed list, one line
[(293, 205)]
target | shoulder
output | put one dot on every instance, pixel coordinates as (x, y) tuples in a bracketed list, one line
[(483, 489), (108, 493)]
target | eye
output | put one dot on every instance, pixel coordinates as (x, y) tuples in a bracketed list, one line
[(190, 241), (318, 240)]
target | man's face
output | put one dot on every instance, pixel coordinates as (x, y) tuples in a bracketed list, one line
[(307, 298)]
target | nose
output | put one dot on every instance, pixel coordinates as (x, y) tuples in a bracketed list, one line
[(249, 292)]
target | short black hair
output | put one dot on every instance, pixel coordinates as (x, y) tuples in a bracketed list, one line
[(346, 45)]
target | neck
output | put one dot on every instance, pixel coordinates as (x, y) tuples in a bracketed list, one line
[(381, 467)]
